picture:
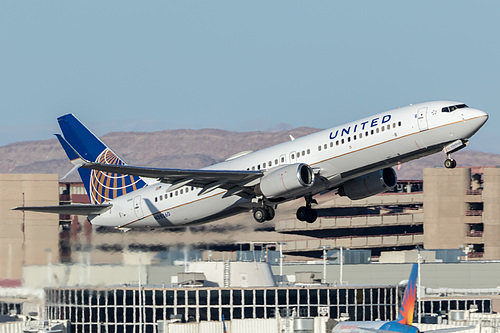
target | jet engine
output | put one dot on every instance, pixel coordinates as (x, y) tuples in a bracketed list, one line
[(369, 184), (285, 181)]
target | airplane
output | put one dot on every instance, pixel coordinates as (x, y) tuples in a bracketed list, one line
[(354, 159), (404, 321)]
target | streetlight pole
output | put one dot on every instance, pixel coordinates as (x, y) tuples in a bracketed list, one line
[(325, 257), (341, 264), (419, 288)]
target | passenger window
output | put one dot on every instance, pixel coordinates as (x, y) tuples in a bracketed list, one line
[(337, 143), (282, 160), (308, 151), (394, 125), (156, 199), (325, 146), (399, 123), (270, 163), (360, 135), (258, 167), (383, 128), (354, 137), (276, 162), (187, 189), (331, 144), (176, 193), (349, 139), (319, 148), (161, 197), (377, 130), (253, 168), (181, 191), (264, 165), (171, 194), (342, 141), (303, 153)]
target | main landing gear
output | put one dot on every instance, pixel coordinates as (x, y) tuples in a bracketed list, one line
[(306, 213), (262, 214)]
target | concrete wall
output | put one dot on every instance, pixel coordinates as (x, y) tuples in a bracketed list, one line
[(444, 207), (468, 275), (29, 238)]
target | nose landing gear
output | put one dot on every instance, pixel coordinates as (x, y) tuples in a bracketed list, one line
[(450, 163), (455, 146)]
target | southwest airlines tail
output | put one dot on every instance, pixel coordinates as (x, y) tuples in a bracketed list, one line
[(101, 186), (408, 304)]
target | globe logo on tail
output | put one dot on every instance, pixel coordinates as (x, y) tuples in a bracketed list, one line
[(105, 186)]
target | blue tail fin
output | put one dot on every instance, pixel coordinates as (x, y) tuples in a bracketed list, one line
[(408, 305), (100, 186)]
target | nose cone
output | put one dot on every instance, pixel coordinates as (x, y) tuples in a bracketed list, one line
[(475, 119)]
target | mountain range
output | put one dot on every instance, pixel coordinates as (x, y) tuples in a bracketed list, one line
[(191, 149)]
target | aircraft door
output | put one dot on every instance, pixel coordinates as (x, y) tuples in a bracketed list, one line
[(422, 119), (138, 207)]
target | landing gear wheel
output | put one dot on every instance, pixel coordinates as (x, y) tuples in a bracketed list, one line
[(260, 214), (450, 163), (302, 213), (307, 214), (270, 213), (312, 217)]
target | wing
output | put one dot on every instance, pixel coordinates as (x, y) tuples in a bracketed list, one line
[(68, 209), (237, 181)]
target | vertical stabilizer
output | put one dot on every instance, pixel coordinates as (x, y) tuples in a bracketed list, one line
[(101, 186), (408, 304)]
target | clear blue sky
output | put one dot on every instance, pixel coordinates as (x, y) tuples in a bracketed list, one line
[(241, 65)]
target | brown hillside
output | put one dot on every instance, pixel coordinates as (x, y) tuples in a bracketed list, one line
[(190, 149)]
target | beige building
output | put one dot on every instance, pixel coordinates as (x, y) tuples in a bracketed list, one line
[(462, 210), (27, 238)]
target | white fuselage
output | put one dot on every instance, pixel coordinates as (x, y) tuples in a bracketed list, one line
[(338, 154)]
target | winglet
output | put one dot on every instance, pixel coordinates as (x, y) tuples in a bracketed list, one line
[(408, 305)]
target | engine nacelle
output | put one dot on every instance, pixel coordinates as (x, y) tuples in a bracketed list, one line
[(286, 180), (370, 184)]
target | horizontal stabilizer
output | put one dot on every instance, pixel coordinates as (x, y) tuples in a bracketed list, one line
[(68, 209), (451, 329)]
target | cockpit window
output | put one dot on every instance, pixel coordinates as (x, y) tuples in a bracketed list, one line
[(453, 107)]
